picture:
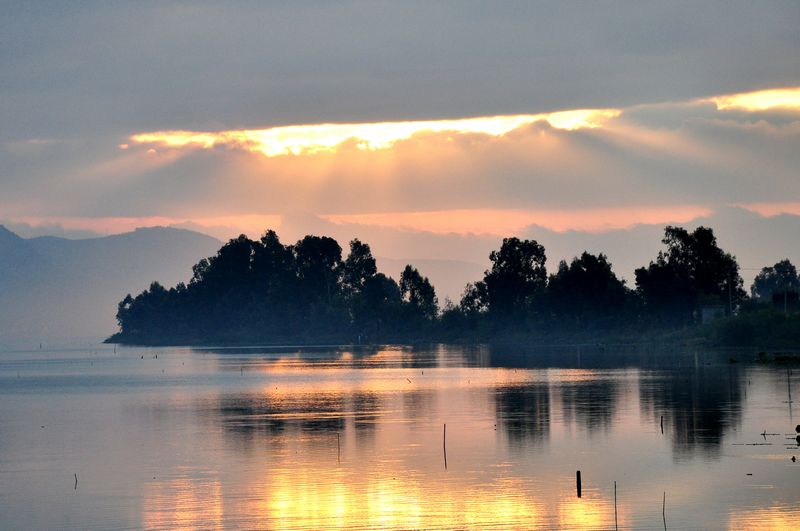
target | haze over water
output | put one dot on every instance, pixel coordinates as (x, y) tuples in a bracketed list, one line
[(287, 438)]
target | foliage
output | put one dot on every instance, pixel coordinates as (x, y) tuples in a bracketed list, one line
[(691, 273), (777, 279), (265, 291), (586, 292), (513, 286), (418, 292)]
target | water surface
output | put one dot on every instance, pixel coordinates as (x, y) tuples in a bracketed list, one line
[(288, 438)]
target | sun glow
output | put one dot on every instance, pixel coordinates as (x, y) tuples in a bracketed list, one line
[(761, 100), (309, 139)]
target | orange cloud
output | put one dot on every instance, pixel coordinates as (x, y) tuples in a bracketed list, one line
[(773, 209)]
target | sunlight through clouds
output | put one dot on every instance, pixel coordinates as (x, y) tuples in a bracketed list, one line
[(309, 139), (761, 100)]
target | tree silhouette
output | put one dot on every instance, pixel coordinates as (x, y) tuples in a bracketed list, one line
[(779, 278), (359, 267), (319, 267), (691, 272), (418, 292), (516, 280), (586, 292), (254, 291)]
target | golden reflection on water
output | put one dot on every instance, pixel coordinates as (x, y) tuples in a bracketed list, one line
[(318, 445), (775, 518), (182, 503), (316, 499)]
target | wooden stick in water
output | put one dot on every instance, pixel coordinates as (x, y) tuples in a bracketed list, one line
[(615, 505), (444, 445), (76, 481), (578, 480), (663, 510)]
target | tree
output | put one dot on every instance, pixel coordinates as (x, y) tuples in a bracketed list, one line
[(780, 278), (358, 267), (692, 271), (586, 291), (474, 300), (273, 266), (418, 292), (376, 308), (778, 283), (319, 267), (274, 287), (517, 277), (220, 289)]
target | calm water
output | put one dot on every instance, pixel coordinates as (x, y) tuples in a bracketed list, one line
[(309, 439)]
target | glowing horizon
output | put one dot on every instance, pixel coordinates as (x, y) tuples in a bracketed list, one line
[(476, 221), (504, 222)]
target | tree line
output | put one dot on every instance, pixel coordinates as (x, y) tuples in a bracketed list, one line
[(265, 291)]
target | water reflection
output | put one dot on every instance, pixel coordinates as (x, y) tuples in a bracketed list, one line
[(285, 438), (524, 412), (589, 402), (700, 405)]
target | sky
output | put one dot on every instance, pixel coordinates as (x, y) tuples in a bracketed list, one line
[(405, 122)]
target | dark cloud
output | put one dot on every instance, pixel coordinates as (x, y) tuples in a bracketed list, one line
[(83, 68)]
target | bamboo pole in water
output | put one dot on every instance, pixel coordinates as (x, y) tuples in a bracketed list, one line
[(615, 505), (578, 479), (444, 445)]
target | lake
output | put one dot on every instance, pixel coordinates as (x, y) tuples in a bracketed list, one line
[(436, 437)]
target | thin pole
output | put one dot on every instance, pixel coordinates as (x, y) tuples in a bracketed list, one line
[(615, 506), (789, 388), (338, 449), (578, 480), (663, 509), (444, 445)]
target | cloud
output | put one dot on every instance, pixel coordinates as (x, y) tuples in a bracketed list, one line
[(88, 68), (317, 138), (648, 163)]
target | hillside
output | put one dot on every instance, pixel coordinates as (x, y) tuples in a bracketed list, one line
[(55, 288)]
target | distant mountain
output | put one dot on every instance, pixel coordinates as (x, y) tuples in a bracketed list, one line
[(56, 289)]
